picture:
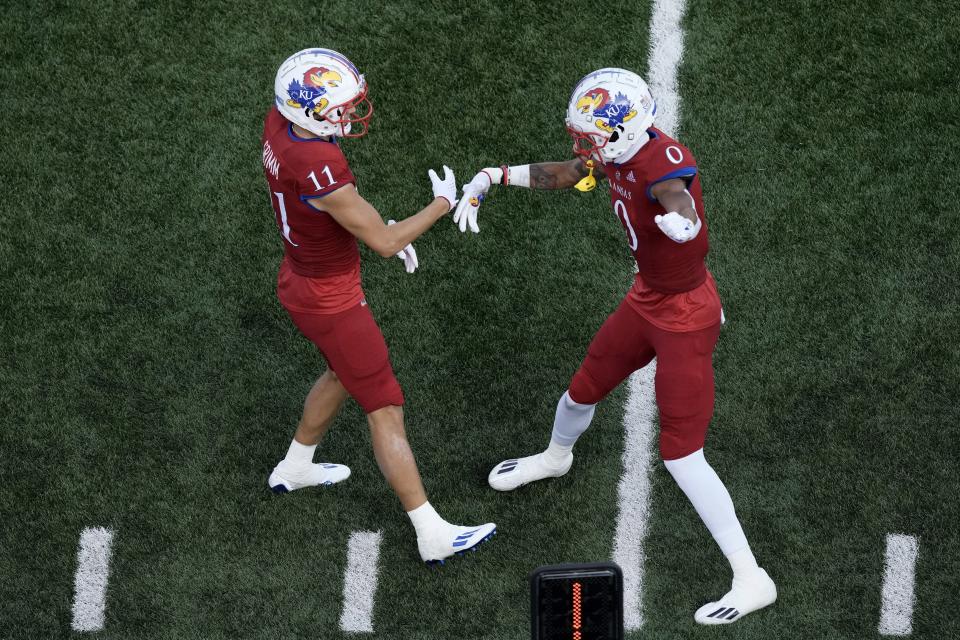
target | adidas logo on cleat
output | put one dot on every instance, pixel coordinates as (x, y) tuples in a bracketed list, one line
[(724, 613), (458, 546), (508, 466), (462, 539)]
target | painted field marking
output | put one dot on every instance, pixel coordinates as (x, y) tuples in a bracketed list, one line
[(90, 582), (666, 52), (360, 581), (897, 595), (633, 491)]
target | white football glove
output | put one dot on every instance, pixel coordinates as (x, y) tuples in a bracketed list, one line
[(446, 188), (408, 254), (474, 193), (678, 228)]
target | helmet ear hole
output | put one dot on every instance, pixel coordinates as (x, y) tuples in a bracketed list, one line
[(614, 136)]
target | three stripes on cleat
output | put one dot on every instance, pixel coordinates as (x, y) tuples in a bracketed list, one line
[(724, 613), (508, 466), (461, 539), (460, 543)]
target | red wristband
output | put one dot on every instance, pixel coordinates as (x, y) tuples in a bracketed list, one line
[(505, 180)]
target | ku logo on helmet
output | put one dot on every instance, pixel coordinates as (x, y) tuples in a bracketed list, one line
[(608, 113), (309, 95)]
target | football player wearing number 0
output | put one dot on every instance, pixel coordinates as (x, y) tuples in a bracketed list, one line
[(321, 97), (672, 311)]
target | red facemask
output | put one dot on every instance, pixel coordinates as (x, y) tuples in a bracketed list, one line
[(356, 113), (587, 145)]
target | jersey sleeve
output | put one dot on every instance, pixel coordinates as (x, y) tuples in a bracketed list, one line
[(322, 172), (671, 161)]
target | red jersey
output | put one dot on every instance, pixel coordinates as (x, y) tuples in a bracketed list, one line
[(672, 288), (321, 267)]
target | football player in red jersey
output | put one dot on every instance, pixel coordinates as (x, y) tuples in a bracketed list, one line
[(320, 96), (672, 311)]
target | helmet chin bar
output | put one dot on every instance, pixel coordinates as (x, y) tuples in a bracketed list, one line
[(352, 117), (587, 145), (591, 146)]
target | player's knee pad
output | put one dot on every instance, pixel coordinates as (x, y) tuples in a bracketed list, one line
[(379, 391), (584, 390), (683, 421), (682, 438), (678, 466), (685, 401), (576, 406)]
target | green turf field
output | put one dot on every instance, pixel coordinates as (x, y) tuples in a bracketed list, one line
[(150, 380)]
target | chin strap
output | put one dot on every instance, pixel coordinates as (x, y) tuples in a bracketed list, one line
[(588, 182)]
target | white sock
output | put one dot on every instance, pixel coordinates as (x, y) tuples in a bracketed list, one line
[(426, 519), (743, 563), (710, 498), (571, 420), (556, 454), (300, 455)]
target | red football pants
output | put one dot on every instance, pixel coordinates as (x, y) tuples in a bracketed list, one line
[(355, 350), (684, 381)]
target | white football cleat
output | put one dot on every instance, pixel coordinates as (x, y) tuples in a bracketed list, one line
[(286, 477), (744, 597), (453, 539), (510, 474)]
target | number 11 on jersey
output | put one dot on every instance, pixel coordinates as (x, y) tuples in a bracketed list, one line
[(325, 171)]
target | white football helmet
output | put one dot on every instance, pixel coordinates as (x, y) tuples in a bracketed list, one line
[(609, 113), (323, 92)]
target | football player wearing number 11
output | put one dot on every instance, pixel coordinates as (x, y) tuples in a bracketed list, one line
[(672, 311), (320, 96)]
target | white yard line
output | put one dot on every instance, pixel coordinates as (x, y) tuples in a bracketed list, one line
[(90, 582), (896, 608), (633, 492), (666, 51), (360, 581)]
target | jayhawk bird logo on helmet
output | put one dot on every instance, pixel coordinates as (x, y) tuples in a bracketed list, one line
[(608, 113), (309, 95)]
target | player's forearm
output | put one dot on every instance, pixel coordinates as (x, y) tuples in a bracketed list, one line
[(542, 175), (409, 229), (556, 175), (681, 202)]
